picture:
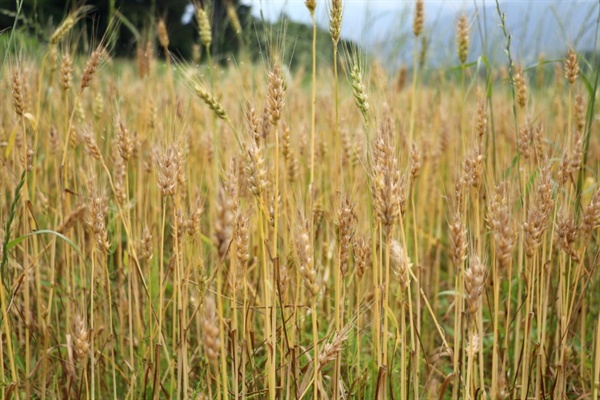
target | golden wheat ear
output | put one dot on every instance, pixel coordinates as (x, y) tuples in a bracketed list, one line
[(571, 67), (68, 23), (462, 38), (418, 18), (204, 28)]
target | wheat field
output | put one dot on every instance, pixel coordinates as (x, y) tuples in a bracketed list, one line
[(246, 230)]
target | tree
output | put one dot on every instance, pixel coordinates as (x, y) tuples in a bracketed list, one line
[(38, 18)]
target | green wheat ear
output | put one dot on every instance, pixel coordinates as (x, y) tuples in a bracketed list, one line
[(359, 91)]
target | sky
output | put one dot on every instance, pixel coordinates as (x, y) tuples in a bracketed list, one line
[(356, 12), (370, 21), (538, 26)]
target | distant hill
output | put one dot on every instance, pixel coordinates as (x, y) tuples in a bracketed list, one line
[(384, 27), (546, 27)]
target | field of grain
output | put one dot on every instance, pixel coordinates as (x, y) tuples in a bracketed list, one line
[(244, 230)]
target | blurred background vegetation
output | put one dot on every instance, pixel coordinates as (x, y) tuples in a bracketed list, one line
[(34, 21)]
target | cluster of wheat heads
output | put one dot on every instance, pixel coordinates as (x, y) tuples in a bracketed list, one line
[(243, 236)]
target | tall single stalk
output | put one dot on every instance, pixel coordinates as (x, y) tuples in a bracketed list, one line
[(458, 328), (377, 262), (337, 304), (335, 30), (25, 208), (414, 95), (357, 282), (386, 307), (223, 358), (496, 288), (8, 336), (313, 117), (419, 276), (403, 367), (235, 330), (267, 297), (418, 23), (596, 379), (92, 324), (161, 269), (315, 333)]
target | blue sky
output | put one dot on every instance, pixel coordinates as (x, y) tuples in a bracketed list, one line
[(377, 22), (356, 12)]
